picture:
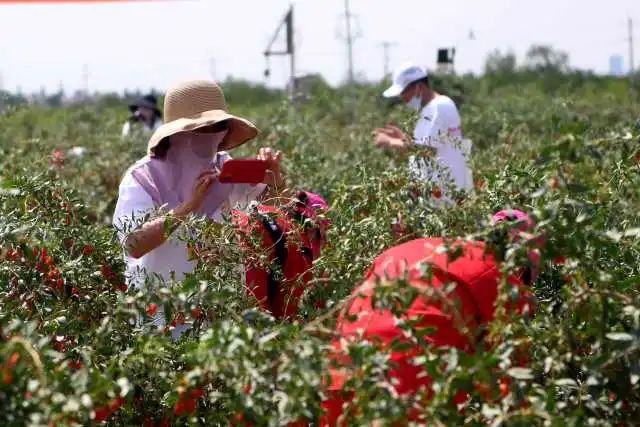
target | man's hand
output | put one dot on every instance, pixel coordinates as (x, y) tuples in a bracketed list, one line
[(385, 141), (394, 131), (390, 137), (381, 139)]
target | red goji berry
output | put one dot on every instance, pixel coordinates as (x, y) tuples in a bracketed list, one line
[(12, 255), (102, 413), (13, 360), (74, 364), (7, 378), (560, 260), (116, 404), (153, 308), (483, 389)]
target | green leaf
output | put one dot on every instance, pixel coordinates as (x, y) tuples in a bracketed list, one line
[(619, 336), (520, 373), (566, 382)]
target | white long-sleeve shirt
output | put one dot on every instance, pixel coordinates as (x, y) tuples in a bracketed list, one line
[(146, 129)]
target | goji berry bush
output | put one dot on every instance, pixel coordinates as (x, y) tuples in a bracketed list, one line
[(76, 347)]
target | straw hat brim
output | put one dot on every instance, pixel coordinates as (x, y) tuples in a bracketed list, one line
[(240, 130)]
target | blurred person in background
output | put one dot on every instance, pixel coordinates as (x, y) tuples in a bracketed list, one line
[(438, 130), (179, 178), (145, 116)]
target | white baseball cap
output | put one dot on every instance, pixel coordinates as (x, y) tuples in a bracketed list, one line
[(403, 76)]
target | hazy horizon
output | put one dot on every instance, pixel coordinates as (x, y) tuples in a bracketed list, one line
[(144, 45)]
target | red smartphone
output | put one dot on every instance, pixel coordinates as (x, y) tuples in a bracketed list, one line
[(243, 171)]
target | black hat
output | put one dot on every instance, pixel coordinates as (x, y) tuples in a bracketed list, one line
[(148, 101)]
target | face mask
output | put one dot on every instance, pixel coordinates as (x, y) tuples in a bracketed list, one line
[(415, 103), (205, 145)]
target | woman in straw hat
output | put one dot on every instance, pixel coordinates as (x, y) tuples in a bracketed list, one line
[(178, 176)]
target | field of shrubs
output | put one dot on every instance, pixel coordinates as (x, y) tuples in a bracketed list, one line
[(72, 351)]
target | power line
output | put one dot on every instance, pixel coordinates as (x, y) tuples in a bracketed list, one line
[(85, 78)]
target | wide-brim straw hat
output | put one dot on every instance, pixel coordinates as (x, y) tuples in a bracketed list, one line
[(195, 104)]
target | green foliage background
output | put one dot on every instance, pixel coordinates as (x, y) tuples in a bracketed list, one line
[(564, 147)]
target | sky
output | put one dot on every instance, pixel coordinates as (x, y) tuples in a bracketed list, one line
[(154, 44)]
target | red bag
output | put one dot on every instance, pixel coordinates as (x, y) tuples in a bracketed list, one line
[(292, 238)]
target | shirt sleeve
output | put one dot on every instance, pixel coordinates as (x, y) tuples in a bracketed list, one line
[(132, 205)]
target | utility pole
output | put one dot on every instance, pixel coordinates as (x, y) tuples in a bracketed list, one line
[(386, 47), (630, 40), (212, 68), (85, 79), (287, 23), (291, 47), (347, 15)]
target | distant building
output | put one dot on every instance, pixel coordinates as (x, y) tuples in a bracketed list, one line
[(616, 65), (307, 84), (445, 60)]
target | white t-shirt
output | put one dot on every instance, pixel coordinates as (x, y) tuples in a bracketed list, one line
[(146, 129), (170, 258), (439, 127)]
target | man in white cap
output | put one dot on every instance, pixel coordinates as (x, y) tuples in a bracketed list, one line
[(438, 130)]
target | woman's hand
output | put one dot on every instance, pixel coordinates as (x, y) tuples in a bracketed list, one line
[(154, 233), (273, 158), (203, 184)]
